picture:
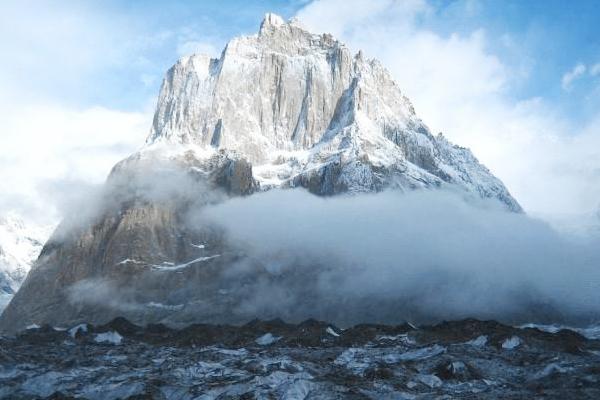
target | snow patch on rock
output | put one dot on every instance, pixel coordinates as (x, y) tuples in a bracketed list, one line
[(511, 343), (111, 337), (83, 328), (267, 339)]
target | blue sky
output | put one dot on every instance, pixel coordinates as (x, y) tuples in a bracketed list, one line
[(548, 38), (516, 81), (133, 43)]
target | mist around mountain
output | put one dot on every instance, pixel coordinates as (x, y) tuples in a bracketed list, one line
[(290, 178)]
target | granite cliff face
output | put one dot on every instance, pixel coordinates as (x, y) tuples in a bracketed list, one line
[(306, 112), (280, 109)]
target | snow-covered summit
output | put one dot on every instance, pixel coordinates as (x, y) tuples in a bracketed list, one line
[(305, 111), (271, 21)]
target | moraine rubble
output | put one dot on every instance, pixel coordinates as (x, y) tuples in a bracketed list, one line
[(467, 359)]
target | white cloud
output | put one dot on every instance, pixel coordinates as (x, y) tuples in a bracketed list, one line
[(346, 17), (190, 41), (197, 47), (57, 47), (148, 79), (595, 69), (389, 257), (568, 78), (459, 86), (51, 149), (50, 154)]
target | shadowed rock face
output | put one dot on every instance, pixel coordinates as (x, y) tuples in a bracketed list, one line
[(117, 258), (281, 109)]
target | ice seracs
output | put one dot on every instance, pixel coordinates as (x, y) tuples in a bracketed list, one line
[(479, 341), (511, 343)]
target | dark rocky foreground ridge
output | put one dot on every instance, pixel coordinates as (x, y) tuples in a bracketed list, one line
[(467, 359)]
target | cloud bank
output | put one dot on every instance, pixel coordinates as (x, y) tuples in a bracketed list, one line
[(56, 155), (423, 257)]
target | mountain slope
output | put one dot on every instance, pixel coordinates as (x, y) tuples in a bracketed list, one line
[(20, 245), (283, 108)]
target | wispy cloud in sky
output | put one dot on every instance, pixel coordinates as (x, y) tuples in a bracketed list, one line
[(568, 78)]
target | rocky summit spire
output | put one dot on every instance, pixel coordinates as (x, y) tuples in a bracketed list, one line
[(288, 100), (277, 90), (270, 21)]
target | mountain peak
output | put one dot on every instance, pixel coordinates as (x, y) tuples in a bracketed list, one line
[(290, 101), (271, 21), (285, 108)]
